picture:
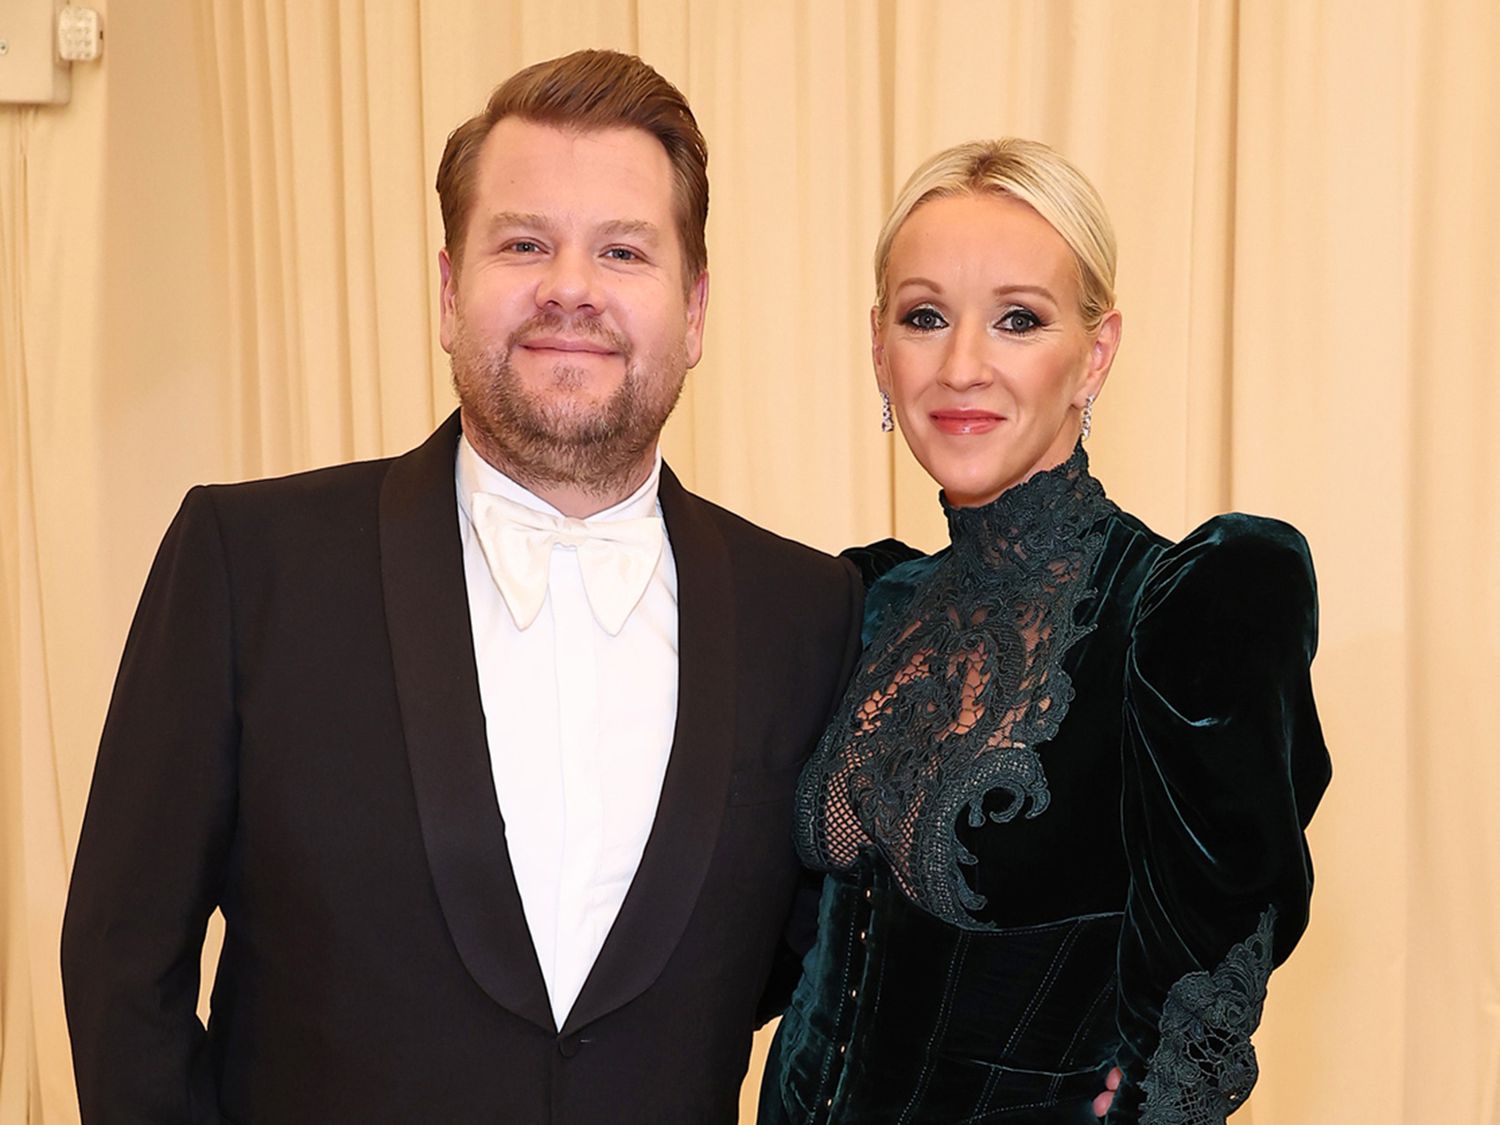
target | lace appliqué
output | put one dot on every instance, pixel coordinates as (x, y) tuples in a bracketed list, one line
[(957, 692), (1204, 1067)]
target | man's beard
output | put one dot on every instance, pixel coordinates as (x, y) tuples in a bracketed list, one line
[(540, 442)]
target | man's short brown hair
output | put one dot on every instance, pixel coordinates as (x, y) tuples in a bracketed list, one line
[(587, 90)]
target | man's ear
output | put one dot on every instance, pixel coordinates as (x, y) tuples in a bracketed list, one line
[(447, 300), (697, 311)]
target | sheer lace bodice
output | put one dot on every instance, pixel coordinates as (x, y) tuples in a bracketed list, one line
[(957, 691)]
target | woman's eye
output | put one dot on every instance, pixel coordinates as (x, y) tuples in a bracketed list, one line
[(1019, 320), (924, 319)]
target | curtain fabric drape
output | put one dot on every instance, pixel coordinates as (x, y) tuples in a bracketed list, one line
[(218, 262)]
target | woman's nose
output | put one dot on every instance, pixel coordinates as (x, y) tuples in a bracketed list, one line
[(967, 363)]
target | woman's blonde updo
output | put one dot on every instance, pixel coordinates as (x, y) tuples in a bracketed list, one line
[(1035, 174)]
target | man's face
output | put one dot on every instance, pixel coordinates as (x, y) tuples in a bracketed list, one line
[(569, 321)]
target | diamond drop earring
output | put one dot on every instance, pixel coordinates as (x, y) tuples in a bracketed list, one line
[(887, 419), (1088, 418)]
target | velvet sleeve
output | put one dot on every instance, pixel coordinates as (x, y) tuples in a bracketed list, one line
[(1224, 762), (891, 572)]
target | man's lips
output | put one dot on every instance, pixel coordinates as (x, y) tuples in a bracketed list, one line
[(570, 344), (966, 421)]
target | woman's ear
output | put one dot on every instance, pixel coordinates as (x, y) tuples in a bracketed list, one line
[(1102, 351), (877, 352)]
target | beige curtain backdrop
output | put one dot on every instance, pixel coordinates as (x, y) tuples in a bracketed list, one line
[(218, 262)]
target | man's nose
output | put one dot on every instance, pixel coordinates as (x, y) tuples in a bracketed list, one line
[(968, 362), (570, 283)]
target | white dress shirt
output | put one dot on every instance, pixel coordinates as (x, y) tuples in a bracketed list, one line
[(579, 725)]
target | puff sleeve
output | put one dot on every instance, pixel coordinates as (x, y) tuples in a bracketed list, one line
[(891, 572), (1224, 762)]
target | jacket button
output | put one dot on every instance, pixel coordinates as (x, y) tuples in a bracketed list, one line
[(569, 1047)]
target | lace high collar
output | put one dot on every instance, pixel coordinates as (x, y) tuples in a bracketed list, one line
[(1028, 522)]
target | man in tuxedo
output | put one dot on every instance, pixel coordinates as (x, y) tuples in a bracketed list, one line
[(486, 752)]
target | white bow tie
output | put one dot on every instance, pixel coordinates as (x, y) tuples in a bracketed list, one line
[(617, 557)]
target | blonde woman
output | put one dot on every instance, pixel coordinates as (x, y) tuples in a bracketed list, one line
[(1062, 807)]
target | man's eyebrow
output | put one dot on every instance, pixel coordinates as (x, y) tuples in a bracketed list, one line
[(636, 228), (612, 228), (502, 220)]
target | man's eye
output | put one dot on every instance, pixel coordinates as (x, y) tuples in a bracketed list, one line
[(622, 254), (924, 319), (523, 246), (1019, 320)]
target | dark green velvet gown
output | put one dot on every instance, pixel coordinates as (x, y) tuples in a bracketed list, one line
[(1062, 813)]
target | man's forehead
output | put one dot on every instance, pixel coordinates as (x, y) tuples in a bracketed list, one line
[(620, 178), (515, 140)]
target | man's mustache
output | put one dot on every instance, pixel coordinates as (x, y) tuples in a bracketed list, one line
[(590, 328)]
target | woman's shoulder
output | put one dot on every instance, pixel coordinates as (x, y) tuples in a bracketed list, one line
[(1234, 561), (875, 560), (1231, 605), (891, 570), (1241, 539)]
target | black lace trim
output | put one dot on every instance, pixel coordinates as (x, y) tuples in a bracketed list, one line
[(956, 693), (1204, 1067)]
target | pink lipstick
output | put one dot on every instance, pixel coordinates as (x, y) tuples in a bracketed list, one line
[(966, 421)]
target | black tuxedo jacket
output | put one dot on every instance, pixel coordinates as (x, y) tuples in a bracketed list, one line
[(296, 738)]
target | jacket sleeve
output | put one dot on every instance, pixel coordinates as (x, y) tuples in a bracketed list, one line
[(151, 858), (1224, 762), (802, 924)]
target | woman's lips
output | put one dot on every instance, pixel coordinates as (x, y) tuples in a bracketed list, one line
[(965, 421)]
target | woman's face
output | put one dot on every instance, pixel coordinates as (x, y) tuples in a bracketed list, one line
[(983, 348)]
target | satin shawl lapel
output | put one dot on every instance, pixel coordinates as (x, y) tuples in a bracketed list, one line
[(437, 685), (683, 838)]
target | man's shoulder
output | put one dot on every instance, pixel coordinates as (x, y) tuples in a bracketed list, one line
[(330, 482), (311, 509), (342, 487), (350, 491), (746, 539)]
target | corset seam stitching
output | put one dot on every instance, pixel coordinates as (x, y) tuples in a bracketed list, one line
[(1043, 988), (939, 1027)]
